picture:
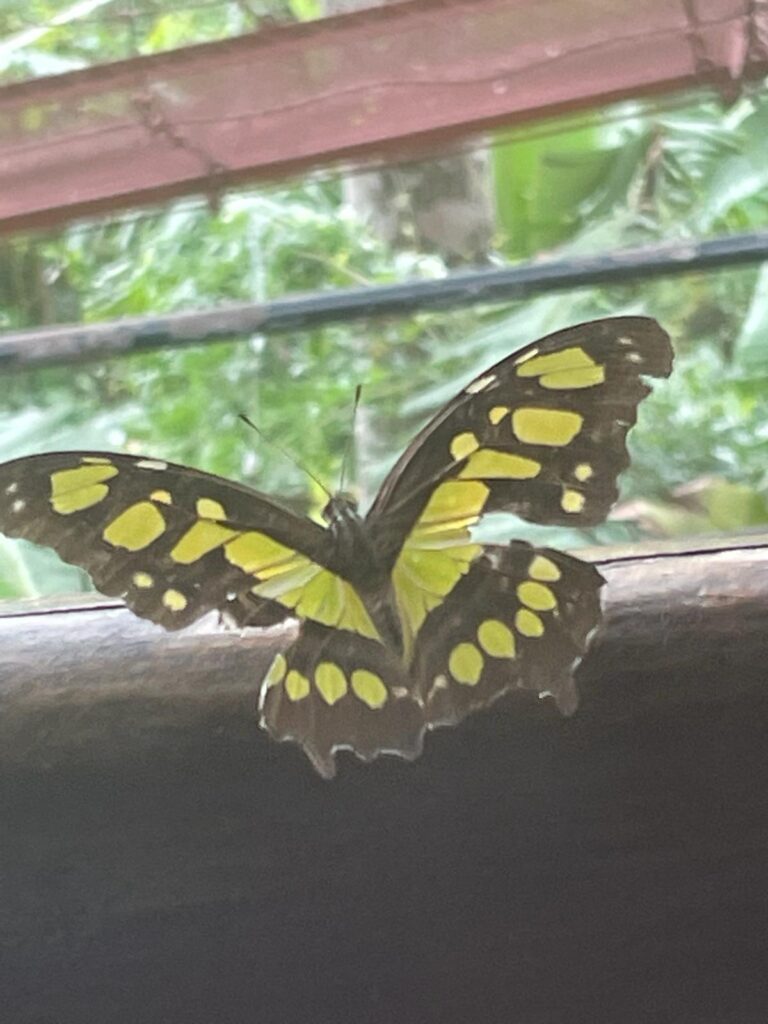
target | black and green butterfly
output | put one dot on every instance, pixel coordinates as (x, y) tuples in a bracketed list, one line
[(406, 622)]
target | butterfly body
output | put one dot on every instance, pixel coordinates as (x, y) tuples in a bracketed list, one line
[(350, 543), (352, 554), (406, 621)]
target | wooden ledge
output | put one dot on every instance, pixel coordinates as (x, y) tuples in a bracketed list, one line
[(162, 861), (681, 627)]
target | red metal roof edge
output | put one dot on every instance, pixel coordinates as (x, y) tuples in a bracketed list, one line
[(200, 147)]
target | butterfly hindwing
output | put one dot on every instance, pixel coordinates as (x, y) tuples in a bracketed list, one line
[(334, 689), (172, 541), (519, 619)]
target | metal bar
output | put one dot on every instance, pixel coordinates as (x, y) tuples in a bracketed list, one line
[(23, 349)]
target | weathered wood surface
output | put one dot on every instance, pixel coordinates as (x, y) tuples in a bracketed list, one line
[(161, 860)]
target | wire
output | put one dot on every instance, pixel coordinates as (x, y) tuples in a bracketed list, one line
[(21, 350)]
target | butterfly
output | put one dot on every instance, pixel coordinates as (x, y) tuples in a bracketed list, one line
[(406, 621)]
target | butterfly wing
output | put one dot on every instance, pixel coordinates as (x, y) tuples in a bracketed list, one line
[(334, 689), (541, 434), (520, 618), (544, 430), (175, 542)]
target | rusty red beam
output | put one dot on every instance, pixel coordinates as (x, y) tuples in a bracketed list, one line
[(379, 84)]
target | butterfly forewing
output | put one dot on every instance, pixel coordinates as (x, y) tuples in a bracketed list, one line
[(544, 430), (172, 541)]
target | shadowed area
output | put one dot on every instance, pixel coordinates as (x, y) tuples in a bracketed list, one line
[(162, 860)]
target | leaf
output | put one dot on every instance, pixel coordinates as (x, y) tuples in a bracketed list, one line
[(740, 176), (751, 346)]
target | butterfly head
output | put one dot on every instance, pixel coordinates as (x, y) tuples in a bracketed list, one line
[(351, 541), (342, 508)]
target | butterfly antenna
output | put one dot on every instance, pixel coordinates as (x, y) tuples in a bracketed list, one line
[(350, 438), (284, 452)]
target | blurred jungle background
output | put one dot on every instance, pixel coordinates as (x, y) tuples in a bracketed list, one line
[(677, 169)]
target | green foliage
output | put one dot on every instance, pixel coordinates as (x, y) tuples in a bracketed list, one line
[(628, 176), (556, 181), (44, 37), (751, 350)]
